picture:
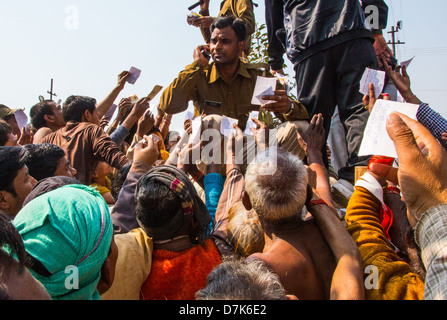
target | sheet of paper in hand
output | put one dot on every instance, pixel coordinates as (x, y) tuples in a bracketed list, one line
[(196, 130), (154, 92), (109, 114), (189, 115), (21, 118), (226, 125), (406, 63), (376, 140), (264, 87), (134, 75), (155, 138), (376, 77), (251, 123)]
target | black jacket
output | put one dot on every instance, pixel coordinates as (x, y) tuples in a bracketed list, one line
[(302, 28)]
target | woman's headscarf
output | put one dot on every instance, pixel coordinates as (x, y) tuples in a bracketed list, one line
[(178, 182), (69, 226)]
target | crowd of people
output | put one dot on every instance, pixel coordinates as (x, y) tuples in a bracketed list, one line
[(132, 210)]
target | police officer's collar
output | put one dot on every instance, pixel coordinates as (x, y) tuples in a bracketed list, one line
[(241, 70)]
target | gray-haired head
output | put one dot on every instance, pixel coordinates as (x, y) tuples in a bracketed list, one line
[(276, 183), (240, 279)]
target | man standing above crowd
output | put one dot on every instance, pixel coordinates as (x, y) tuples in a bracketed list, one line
[(330, 46), (225, 86), (238, 8)]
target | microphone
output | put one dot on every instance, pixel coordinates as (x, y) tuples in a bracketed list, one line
[(195, 5)]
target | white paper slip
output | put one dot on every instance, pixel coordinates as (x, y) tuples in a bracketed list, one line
[(251, 123), (376, 77), (407, 62), (376, 140), (155, 138), (226, 125), (264, 87), (134, 75), (21, 118), (189, 115), (196, 130)]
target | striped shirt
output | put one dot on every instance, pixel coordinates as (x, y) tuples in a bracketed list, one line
[(431, 236), (433, 121)]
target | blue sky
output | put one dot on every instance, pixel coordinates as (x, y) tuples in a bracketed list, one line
[(153, 36)]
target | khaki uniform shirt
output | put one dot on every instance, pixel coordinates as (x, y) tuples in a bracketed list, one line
[(212, 95)]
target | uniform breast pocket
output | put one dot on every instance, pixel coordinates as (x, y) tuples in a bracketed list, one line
[(213, 107), (212, 104)]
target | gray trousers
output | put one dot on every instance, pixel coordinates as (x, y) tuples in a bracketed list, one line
[(332, 78)]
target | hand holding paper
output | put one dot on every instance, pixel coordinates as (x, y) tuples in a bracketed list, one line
[(407, 63), (154, 92), (21, 118), (226, 125), (189, 115), (402, 82), (264, 87), (134, 75), (251, 123), (196, 130), (146, 150), (375, 137), (122, 78), (422, 166), (376, 77)]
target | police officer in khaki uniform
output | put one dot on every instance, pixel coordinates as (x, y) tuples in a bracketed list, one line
[(225, 86), (238, 8)]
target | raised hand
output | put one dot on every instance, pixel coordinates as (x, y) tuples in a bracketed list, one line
[(401, 80), (282, 102), (140, 107), (261, 134), (146, 151), (418, 152), (122, 77), (145, 123), (370, 100)]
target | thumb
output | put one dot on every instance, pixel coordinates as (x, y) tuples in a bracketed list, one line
[(372, 91), (385, 171), (403, 138), (404, 72)]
